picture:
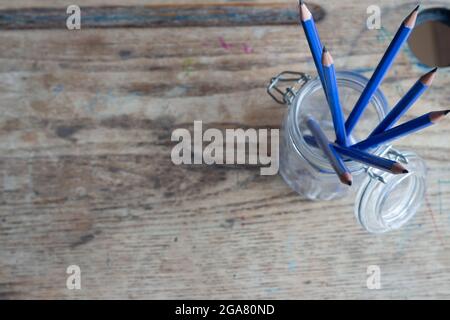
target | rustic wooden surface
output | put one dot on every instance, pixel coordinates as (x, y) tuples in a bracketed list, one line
[(86, 177)]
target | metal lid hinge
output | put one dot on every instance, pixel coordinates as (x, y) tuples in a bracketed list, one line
[(286, 94)]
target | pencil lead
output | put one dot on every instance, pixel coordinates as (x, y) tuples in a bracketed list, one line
[(428, 77), (346, 178), (305, 14), (436, 116), (410, 20), (397, 168), (327, 59)]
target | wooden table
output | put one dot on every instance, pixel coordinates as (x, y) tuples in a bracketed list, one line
[(86, 176)]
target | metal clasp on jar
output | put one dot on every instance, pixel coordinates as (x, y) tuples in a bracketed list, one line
[(392, 154), (293, 81)]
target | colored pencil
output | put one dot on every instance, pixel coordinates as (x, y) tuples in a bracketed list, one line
[(335, 159), (401, 130), (371, 160), (405, 102), (310, 140), (332, 93), (381, 70), (312, 36)]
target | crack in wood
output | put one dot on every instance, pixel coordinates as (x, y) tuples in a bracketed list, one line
[(157, 16)]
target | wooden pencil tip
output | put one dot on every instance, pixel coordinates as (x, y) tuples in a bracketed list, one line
[(346, 178), (436, 116), (305, 14), (327, 59), (428, 77), (397, 168), (410, 20)]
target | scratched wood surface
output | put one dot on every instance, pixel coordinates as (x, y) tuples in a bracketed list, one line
[(86, 176)]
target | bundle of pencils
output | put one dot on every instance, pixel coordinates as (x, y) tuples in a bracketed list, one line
[(341, 149)]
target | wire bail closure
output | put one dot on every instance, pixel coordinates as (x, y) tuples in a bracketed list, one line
[(392, 154), (297, 79)]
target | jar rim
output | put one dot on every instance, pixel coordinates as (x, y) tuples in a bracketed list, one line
[(348, 79)]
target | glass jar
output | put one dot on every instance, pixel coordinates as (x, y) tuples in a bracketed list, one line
[(384, 201)]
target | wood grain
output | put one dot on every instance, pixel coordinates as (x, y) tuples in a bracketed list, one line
[(162, 15), (86, 176)]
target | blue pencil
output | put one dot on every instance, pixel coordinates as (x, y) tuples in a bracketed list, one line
[(371, 160), (335, 159), (401, 130), (381, 70), (405, 102), (312, 36), (333, 97), (310, 140)]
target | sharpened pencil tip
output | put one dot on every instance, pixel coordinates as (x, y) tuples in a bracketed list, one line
[(397, 168), (327, 59), (346, 178), (305, 14), (428, 77), (410, 20), (436, 116)]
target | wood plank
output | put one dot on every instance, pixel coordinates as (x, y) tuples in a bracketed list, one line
[(186, 15), (86, 177)]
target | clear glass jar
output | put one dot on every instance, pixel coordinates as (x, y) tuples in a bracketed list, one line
[(384, 201)]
